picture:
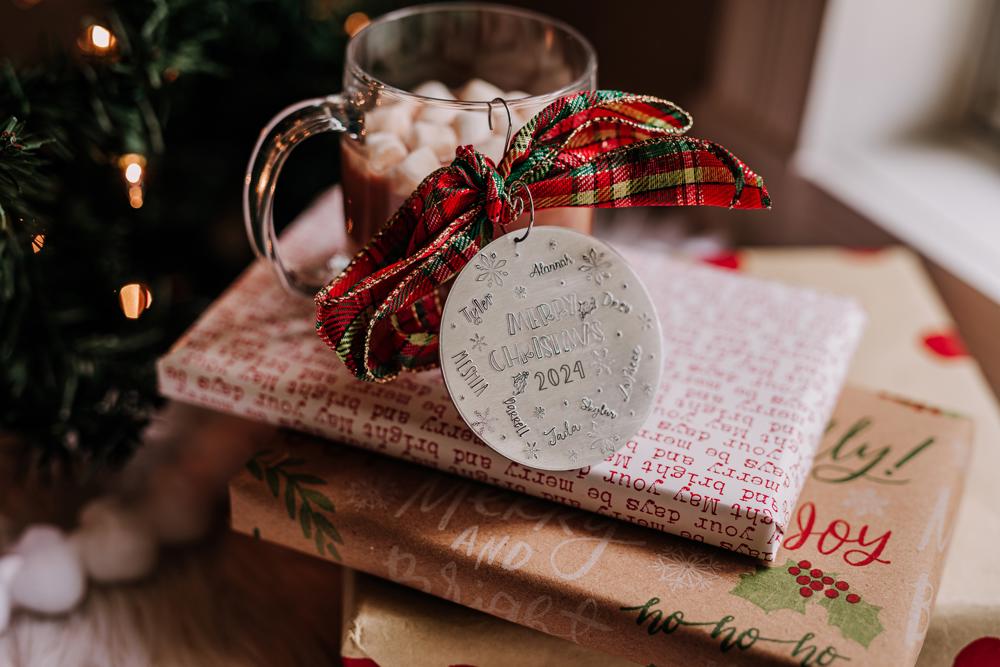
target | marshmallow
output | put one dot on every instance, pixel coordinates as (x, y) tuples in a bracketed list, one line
[(439, 138), (114, 544), (9, 565), (431, 113), (472, 127), (410, 172), (434, 89), (395, 118), (477, 90), (385, 150), (492, 147), (51, 578)]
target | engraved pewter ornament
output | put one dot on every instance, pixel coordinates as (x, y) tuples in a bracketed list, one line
[(551, 348)]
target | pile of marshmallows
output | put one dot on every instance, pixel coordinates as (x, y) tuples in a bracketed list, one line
[(406, 141), (46, 570)]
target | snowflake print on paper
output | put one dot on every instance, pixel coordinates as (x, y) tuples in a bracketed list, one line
[(491, 269), (601, 362), (520, 291), (483, 422), (531, 451), (865, 502), (681, 569), (646, 322), (364, 496), (595, 266), (478, 342), (539, 412)]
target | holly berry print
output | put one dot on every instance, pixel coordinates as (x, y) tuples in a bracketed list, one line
[(798, 583)]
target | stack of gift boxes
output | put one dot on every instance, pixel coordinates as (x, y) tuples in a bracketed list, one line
[(763, 513)]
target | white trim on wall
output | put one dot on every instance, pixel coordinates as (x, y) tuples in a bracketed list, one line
[(882, 129)]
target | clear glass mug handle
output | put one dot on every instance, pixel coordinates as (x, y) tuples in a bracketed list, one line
[(285, 131)]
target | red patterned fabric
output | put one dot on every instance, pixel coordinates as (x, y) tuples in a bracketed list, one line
[(598, 149)]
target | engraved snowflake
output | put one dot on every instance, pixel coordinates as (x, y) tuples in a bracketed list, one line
[(491, 269), (572, 455), (539, 412), (681, 569), (601, 362), (483, 422), (478, 342), (531, 451), (647, 389), (595, 266), (520, 291), (646, 322), (866, 502), (520, 382), (552, 244), (365, 496)]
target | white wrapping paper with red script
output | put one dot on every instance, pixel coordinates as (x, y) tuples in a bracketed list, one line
[(752, 371)]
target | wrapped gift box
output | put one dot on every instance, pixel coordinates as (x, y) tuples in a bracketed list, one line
[(385, 624), (861, 561), (752, 371)]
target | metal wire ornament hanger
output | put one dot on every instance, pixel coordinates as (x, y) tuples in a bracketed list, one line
[(519, 185)]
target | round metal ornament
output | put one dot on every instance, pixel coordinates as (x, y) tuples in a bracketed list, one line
[(551, 348)]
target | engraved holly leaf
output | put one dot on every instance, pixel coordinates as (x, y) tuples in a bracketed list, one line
[(857, 621), (595, 266), (771, 588), (491, 269), (520, 382)]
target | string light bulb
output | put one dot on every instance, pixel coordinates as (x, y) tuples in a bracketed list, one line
[(97, 40), (134, 299), (133, 167), (355, 22), (37, 243)]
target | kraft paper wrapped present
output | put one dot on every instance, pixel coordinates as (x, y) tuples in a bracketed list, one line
[(385, 624), (911, 347), (860, 566), (752, 370)]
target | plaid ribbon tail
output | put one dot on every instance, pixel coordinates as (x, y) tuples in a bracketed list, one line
[(599, 148)]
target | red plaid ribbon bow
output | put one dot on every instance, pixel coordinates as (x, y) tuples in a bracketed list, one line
[(599, 148)]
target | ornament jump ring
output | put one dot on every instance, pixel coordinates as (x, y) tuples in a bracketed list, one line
[(520, 200)]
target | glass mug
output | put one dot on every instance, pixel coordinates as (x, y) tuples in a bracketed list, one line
[(418, 82)]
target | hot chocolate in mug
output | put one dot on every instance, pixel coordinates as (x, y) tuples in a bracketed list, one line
[(419, 82)]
